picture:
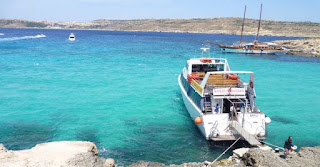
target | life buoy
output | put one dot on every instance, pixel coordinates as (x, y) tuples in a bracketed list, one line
[(251, 84), (193, 77), (233, 76), (205, 60)]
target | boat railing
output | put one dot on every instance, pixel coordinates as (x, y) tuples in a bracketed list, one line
[(234, 82), (214, 131)]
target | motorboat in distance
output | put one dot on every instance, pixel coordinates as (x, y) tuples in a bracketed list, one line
[(72, 37)]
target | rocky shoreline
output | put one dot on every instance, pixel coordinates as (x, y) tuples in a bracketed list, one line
[(309, 47), (83, 154), (219, 25)]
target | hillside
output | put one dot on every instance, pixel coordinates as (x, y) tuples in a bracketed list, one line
[(195, 25)]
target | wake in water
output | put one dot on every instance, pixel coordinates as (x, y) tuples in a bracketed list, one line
[(21, 38)]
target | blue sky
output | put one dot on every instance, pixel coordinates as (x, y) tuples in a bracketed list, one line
[(88, 10)]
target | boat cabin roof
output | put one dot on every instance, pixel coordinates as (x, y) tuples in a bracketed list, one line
[(216, 64)]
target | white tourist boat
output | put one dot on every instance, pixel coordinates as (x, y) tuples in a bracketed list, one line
[(206, 82), (72, 37)]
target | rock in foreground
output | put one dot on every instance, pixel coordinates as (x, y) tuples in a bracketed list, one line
[(257, 157), (307, 156), (64, 153), (84, 154)]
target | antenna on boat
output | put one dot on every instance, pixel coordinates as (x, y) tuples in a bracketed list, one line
[(205, 50), (244, 17), (257, 37)]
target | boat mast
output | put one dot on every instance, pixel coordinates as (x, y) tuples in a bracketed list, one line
[(257, 38), (244, 17)]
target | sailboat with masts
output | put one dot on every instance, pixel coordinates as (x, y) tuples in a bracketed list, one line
[(254, 47)]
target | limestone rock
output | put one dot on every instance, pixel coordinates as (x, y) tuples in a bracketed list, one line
[(257, 157), (147, 164), (109, 162), (65, 153), (305, 47), (240, 151)]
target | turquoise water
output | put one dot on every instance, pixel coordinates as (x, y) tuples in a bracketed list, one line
[(120, 91)]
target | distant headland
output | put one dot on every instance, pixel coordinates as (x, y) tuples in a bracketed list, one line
[(221, 25)]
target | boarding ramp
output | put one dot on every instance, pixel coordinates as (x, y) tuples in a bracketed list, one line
[(245, 134)]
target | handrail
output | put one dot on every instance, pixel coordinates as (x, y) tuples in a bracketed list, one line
[(205, 79), (214, 127)]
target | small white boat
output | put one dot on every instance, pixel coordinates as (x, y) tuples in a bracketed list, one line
[(222, 102), (41, 36), (1, 33), (72, 37)]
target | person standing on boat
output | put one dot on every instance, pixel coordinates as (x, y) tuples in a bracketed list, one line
[(217, 108), (288, 147)]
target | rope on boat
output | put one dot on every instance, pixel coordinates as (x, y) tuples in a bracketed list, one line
[(273, 145), (226, 150)]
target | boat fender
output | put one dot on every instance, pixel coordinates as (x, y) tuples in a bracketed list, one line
[(251, 84), (261, 132), (198, 120), (267, 120)]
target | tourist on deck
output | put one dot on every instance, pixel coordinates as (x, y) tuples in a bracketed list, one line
[(217, 109), (288, 147)]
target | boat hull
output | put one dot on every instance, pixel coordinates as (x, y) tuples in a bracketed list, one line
[(247, 51), (219, 123), (193, 110)]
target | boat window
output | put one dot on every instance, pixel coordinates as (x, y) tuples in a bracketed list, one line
[(196, 68), (207, 67)]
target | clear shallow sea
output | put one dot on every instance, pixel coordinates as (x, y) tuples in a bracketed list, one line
[(120, 91)]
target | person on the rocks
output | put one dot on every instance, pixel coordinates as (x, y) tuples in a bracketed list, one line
[(288, 147)]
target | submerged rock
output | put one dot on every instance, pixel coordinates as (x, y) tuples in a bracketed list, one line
[(64, 153)]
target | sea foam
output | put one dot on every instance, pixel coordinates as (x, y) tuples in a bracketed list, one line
[(21, 38)]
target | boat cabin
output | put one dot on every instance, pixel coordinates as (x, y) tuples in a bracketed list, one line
[(216, 89)]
